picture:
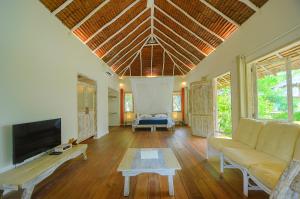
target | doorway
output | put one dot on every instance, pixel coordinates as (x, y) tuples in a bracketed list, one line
[(87, 108), (113, 108)]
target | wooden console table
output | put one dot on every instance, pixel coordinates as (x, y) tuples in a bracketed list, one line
[(26, 176)]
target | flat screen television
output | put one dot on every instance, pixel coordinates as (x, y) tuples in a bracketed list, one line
[(30, 139)]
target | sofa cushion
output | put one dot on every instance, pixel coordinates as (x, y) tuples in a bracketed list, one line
[(220, 143), (268, 173), (248, 157), (278, 139), (248, 131)]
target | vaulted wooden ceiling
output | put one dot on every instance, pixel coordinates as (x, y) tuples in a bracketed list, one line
[(153, 37)]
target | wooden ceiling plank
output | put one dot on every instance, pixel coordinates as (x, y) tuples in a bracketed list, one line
[(128, 45), (173, 55), (112, 21), (128, 35), (175, 49), (184, 49), (250, 5), (89, 15), (178, 35), (120, 30), (219, 13), (117, 61), (61, 7), (145, 41), (195, 21), (184, 27), (124, 62)]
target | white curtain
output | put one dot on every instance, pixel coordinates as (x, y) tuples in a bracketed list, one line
[(152, 95)]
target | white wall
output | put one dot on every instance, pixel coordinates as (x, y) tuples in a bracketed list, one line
[(39, 63), (275, 25)]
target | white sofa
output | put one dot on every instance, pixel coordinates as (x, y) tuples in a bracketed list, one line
[(260, 150)]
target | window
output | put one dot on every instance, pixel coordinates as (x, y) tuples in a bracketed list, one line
[(277, 85), (128, 100), (176, 102), (223, 121)]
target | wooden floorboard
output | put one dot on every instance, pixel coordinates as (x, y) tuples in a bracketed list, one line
[(98, 178)]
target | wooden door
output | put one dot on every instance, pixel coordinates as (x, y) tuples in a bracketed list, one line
[(86, 111), (201, 107)]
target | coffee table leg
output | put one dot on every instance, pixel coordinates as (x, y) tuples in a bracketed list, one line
[(171, 186), (127, 185)]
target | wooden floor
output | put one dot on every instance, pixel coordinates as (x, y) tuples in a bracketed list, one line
[(97, 177)]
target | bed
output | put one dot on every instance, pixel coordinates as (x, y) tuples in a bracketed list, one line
[(153, 121)]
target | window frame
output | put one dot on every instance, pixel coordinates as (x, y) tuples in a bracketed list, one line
[(176, 94), (289, 96), (132, 111)]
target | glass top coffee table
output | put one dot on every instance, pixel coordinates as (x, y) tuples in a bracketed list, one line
[(149, 160)]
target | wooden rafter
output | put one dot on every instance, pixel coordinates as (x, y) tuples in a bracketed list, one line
[(182, 38), (184, 27), (120, 30), (89, 15), (61, 7), (172, 54), (128, 35), (130, 51), (112, 21), (175, 49), (136, 38), (178, 44), (195, 21)]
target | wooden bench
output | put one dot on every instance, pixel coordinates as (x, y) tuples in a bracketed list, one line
[(26, 176)]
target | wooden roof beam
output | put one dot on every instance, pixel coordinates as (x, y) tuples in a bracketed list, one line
[(176, 64), (195, 21), (178, 45), (124, 62), (132, 32), (219, 13), (175, 49), (120, 30), (128, 45), (129, 65), (182, 38), (61, 7), (183, 26), (112, 20), (89, 15), (172, 54), (250, 5), (145, 41)]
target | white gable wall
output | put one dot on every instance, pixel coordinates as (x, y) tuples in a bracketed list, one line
[(39, 63), (275, 25)]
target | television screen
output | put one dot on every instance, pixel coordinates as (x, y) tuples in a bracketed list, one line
[(31, 139)]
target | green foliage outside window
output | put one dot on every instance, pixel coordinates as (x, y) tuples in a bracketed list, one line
[(224, 111)]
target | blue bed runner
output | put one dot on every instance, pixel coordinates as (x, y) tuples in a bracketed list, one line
[(153, 121)]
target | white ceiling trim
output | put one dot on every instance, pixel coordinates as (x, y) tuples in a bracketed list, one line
[(219, 12), (187, 41), (250, 4), (61, 7), (128, 45), (112, 21), (120, 30), (194, 20), (175, 50), (89, 15), (184, 49), (173, 55), (183, 26)]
